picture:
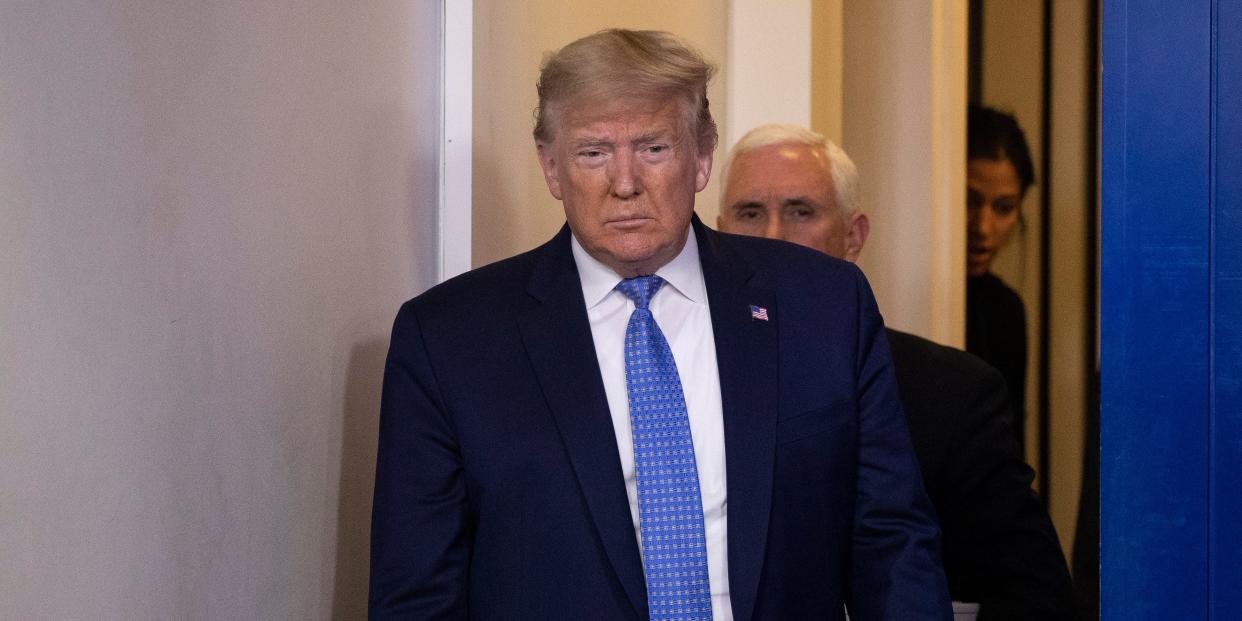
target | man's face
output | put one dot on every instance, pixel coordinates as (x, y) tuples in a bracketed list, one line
[(993, 199), (784, 191), (627, 173)]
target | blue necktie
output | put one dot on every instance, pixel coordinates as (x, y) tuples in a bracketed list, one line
[(669, 506)]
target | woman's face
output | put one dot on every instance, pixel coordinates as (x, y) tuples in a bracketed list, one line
[(993, 199)]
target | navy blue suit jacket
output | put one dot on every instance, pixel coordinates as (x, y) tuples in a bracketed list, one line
[(499, 492)]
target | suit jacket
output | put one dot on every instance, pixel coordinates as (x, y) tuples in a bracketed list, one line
[(499, 492), (998, 544)]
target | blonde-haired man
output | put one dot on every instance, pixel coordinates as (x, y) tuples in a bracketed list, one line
[(644, 419)]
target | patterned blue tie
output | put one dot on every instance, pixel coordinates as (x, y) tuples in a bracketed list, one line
[(669, 506)]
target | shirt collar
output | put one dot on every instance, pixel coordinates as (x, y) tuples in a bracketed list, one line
[(683, 273)]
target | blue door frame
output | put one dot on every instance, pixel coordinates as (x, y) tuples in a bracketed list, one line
[(1171, 310)]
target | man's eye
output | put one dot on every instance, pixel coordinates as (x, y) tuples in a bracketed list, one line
[(591, 153), (657, 148), (748, 214)]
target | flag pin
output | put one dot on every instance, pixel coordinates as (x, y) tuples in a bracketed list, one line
[(758, 312)]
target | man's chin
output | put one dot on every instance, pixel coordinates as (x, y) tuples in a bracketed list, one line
[(630, 261)]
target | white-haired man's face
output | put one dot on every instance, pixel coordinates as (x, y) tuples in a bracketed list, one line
[(785, 191)]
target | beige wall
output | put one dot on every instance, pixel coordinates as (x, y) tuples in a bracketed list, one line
[(1011, 81), (903, 123), (211, 212), (1070, 208), (513, 211), (827, 67)]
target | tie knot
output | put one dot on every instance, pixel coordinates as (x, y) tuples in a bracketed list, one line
[(640, 289)]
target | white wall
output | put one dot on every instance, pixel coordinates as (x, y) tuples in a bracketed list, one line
[(768, 68), (209, 213)]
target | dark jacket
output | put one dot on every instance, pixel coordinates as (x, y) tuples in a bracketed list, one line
[(998, 543), (499, 492)]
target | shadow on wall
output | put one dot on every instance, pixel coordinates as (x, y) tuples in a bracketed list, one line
[(495, 225), (359, 431)]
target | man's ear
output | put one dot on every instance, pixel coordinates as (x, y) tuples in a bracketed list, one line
[(703, 171), (856, 235), (548, 163)]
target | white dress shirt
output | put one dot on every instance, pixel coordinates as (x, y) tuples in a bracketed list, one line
[(680, 309)]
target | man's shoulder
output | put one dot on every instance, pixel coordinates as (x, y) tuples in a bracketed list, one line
[(782, 263), (924, 356), (935, 380), (955, 403), (503, 277), (479, 295)]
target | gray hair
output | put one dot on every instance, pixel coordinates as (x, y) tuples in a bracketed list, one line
[(841, 167)]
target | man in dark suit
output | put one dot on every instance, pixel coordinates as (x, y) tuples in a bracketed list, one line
[(999, 547), (643, 418)]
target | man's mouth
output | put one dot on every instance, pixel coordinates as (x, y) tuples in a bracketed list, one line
[(626, 223)]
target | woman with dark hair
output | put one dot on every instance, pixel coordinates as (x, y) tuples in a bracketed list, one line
[(998, 174)]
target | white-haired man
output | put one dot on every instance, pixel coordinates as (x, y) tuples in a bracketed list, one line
[(999, 547)]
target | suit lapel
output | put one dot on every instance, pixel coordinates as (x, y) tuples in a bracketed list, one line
[(557, 336), (747, 357)]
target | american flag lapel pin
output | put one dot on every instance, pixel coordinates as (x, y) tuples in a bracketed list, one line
[(758, 312)]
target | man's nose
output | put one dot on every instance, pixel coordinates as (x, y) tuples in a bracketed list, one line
[(626, 181), (773, 229)]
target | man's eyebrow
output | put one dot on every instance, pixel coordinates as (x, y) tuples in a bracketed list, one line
[(591, 141), (746, 204), (656, 135)]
